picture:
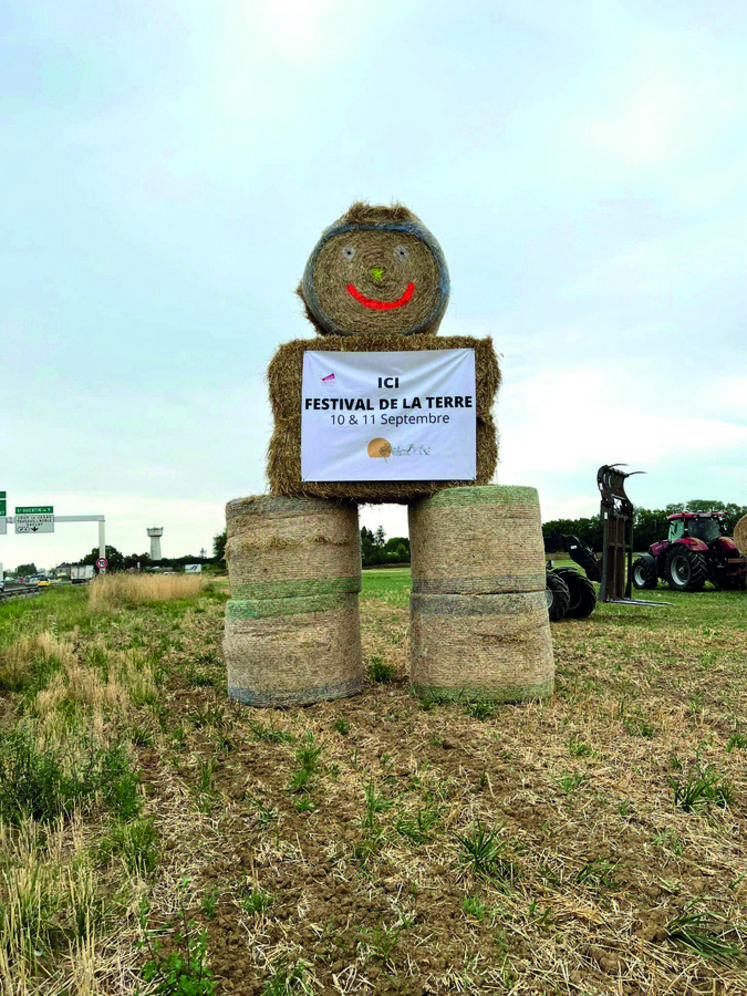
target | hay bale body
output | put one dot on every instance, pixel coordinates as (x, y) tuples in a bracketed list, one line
[(292, 630), (479, 626), (481, 540), (290, 547), (493, 647), (285, 380), (293, 651), (740, 535)]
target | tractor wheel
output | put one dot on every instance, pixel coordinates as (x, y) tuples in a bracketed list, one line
[(685, 569), (583, 594), (644, 572), (558, 596)]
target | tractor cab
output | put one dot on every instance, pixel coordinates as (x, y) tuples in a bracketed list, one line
[(705, 526)]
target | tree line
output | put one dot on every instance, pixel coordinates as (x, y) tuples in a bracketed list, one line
[(649, 525)]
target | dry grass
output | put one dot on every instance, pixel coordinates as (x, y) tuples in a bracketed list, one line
[(113, 590)]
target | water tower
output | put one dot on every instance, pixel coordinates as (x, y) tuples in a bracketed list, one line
[(155, 533)]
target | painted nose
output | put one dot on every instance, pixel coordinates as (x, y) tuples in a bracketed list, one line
[(377, 273)]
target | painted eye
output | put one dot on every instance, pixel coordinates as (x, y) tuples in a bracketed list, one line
[(348, 253), (400, 253)]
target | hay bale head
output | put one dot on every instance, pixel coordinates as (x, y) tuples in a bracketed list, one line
[(376, 271)]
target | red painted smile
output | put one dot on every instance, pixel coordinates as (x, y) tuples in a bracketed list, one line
[(369, 302)]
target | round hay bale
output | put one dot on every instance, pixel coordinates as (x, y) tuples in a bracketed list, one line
[(375, 271), (293, 651), (480, 540), (291, 547), (481, 647), (740, 535)]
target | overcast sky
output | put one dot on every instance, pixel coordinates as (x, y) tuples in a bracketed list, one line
[(168, 165)]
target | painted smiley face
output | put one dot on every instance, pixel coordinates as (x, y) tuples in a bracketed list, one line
[(376, 281)]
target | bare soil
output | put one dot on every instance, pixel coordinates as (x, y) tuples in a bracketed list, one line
[(361, 879)]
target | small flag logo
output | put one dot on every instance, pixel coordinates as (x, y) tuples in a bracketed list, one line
[(328, 378)]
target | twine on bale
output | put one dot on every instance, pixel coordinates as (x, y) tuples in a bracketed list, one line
[(293, 651), (281, 547), (375, 271), (261, 608), (477, 540), (481, 647)]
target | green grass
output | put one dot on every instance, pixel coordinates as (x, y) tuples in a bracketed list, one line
[(391, 585)]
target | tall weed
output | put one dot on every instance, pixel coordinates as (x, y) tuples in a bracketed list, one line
[(113, 591)]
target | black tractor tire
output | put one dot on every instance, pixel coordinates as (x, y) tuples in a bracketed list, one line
[(644, 573), (558, 596), (583, 593), (686, 570)]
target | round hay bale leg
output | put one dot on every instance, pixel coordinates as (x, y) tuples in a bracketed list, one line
[(289, 547), (479, 626), (292, 630), (481, 647), (477, 541), (293, 651)]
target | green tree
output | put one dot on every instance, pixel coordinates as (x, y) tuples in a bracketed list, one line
[(219, 546), (137, 558), (23, 569), (587, 530), (397, 550), (116, 560), (649, 526), (370, 552)]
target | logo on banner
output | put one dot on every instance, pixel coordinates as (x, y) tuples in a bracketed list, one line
[(379, 448)]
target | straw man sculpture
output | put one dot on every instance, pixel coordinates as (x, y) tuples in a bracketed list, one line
[(377, 408)]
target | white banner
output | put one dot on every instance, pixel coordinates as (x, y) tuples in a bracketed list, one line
[(404, 416)]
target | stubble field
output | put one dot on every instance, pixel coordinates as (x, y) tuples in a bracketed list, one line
[(158, 838)]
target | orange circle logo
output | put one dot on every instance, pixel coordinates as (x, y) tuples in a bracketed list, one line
[(379, 448)]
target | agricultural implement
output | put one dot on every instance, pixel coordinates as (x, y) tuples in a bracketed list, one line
[(569, 593)]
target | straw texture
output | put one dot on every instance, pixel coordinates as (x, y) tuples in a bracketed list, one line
[(284, 453), (281, 548), (493, 647), (293, 651), (477, 540), (376, 271), (740, 535)]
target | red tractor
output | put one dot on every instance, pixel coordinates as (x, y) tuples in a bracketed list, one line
[(697, 550)]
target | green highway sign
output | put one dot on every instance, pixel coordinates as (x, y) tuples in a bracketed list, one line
[(34, 509), (3, 503)]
